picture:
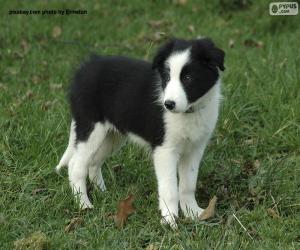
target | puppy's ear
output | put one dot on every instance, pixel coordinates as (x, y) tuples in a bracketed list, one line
[(162, 54), (217, 57), (206, 50)]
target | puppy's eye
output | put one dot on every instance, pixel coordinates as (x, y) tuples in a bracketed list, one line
[(187, 79)]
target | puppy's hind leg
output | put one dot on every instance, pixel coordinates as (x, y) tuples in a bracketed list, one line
[(64, 161), (112, 142), (82, 158)]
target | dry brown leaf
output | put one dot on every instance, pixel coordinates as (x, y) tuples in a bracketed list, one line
[(73, 224), (210, 210), (125, 209), (37, 240), (56, 32), (273, 213)]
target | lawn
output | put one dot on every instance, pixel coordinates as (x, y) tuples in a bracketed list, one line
[(252, 163)]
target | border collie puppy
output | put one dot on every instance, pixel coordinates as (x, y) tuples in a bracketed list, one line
[(170, 105)]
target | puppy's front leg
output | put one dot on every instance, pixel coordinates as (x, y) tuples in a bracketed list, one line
[(165, 163), (188, 172)]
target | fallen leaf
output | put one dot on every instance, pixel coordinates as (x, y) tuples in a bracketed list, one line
[(125, 209), (273, 213), (56, 32), (37, 240), (73, 224), (210, 210)]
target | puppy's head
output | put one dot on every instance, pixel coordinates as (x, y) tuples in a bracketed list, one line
[(188, 70)]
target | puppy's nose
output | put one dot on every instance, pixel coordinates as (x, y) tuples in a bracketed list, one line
[(170, 105)]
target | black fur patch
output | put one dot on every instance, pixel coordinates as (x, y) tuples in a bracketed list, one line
[(202, 68), (118, 90)]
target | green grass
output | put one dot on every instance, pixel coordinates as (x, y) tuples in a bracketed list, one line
[(260, 121)]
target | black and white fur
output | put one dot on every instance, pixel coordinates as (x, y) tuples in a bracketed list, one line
[(171, 106)]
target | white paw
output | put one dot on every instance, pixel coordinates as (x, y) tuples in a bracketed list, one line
[(58, 168), (169, 220), (86, 205), (99, 183), (102, 186), (192, 212)]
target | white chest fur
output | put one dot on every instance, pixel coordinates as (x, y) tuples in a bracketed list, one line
[(196, 127)]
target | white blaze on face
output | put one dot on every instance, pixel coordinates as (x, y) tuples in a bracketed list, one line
[(174, 90)]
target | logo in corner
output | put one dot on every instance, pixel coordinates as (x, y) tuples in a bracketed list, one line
[(283, 8)]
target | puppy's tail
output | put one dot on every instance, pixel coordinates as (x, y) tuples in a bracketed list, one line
[(65, 159)]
